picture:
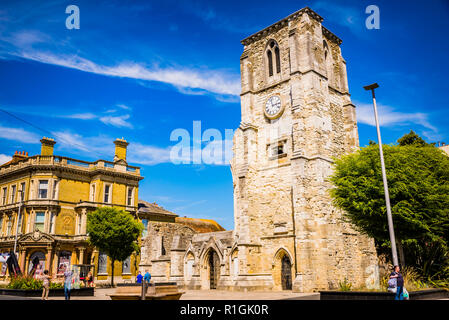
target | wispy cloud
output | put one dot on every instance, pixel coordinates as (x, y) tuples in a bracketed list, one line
[(147, 154), (117, 121), (388, 117), (4, 158), (80, 116), (99, 146), (18, 134), (214, 81)]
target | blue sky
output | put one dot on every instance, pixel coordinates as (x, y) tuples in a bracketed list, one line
[(141, 69)]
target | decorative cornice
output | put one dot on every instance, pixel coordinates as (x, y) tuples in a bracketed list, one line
[(331, 36)]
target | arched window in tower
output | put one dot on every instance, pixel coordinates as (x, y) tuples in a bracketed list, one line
[(270, 63), (273, 53), (278, 60), (326, 49)]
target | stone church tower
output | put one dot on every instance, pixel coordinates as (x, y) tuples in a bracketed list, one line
[(297, 116)]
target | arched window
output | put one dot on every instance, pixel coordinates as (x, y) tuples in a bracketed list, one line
[(273, 53), (270, 63), (278, 60)]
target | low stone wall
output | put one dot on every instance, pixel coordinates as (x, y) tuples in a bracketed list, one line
[(84, 292), (368, 295)]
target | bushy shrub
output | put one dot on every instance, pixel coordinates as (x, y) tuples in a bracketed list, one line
[(345, 285), (30, 283), (25, 283)]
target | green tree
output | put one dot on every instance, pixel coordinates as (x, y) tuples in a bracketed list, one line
[(418, 181), (412, 138), (115, 232)]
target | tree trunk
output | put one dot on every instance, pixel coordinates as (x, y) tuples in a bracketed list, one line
[(401, 253), (112, 271)]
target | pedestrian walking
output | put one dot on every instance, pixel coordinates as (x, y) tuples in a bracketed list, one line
[(45, 285), (396, 274), (68, 275), (139, 278)]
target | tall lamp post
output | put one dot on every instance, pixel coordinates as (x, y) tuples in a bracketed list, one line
[(384, 178)]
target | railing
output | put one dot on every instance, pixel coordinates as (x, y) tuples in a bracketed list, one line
[(108, 165), (78, 163), (63, 161)]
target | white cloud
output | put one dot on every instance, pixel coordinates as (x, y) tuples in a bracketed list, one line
[(98, 146), (4, 158), (117, 121), (81, 116), (210, 80), (123, 106), (148, 155), (18, 134), (388, 117)]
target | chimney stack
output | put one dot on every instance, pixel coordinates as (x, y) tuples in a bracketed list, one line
[(47, 146), (120, 149), (19, 155)]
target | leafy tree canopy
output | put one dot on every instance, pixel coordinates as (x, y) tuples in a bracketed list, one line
[(418, 181), (114, 231), (412, 138)]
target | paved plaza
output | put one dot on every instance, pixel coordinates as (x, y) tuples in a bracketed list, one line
[(102, 294)]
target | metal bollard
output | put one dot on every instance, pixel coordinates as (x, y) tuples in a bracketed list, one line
[(144, 291)]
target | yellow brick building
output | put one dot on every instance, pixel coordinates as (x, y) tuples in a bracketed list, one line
[(54, 195)]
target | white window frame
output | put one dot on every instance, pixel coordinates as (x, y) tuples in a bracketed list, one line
[(92, 191), (4, 195), (35, 218), (39, 189), (12, 194), (109, 193), (132, 196)]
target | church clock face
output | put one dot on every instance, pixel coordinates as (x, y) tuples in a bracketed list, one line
[(273, 107)]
